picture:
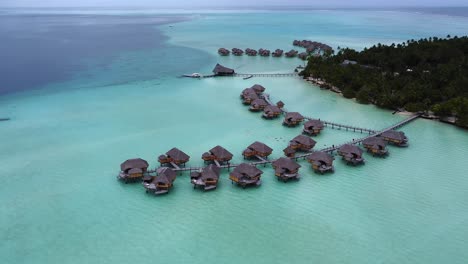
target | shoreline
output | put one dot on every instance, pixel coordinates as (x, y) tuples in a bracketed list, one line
[(323, 85)]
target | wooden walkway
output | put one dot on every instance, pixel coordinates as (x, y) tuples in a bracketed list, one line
[(332, 125), (264, 162), (243, 75)]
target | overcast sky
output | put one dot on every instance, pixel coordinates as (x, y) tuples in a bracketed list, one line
[(228, 3)]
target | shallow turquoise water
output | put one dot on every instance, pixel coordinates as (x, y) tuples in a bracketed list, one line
[(62, 150)]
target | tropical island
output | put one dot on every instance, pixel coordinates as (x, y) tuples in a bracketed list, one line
[(429, 75)]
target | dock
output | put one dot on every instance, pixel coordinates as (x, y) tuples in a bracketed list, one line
[(334, 125), (245, 76)]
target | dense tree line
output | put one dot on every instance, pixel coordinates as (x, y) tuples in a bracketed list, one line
[(418, 75)]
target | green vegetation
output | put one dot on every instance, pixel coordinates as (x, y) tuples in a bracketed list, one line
[(424, 75)]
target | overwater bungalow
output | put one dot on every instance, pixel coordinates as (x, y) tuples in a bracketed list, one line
[(250, 52), (271, 111), (303, 55), (302, 143), (289, 152), (351, 154), (291, 53), (175, 156), (394, 137), (280, 104), (258, 105), (245, 175), (237, 52), (258, 150), (292, 119), (376, 146), (132, 170), (162, 183), (313, 127), (247, 91), (220, 70), (321, 162), (259, 89), (264, 52), (286, 169), (277, 53), (249, 98), (223, 52), (207, 179), (219, 154)]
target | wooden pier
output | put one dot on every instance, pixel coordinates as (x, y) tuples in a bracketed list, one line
[(243, 75), (334, 125), (264, 162)]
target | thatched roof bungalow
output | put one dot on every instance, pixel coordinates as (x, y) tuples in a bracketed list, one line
[(217, 153), (292, 119), (291, 53), (237, 52), (250, 52), (223, 52), (207, 179), (132, 170), (321, 162), (280, 104), (286, 169), (271, 111), (351, 154), (394, 137), (220, 70), (257, 149), (246, 174), (249, 98), (174, 155), (313, 127), (259, 89), (258, 105), (264, 52), (162, 183), (376, 146), (277, 53), (302, 143), (289, 152)]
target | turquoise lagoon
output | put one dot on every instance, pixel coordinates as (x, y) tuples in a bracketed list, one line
[(61, 152)]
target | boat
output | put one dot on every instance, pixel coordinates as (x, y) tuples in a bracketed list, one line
[(248, 77)]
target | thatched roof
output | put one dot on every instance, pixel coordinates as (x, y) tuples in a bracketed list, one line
[(210, 172), (260, 147), (285, 163), (134, 163), (321, 157), (177, 155), (280, 104), (258, 88), (221, 153), (396, 135), (313, 123), (350, 149), (303, 140), (247, 91), (375, 141), (135, 170), (259, 103), (220, 69), (165, 175), (272, 109), (246, 170), (289, 151), (293, 116)]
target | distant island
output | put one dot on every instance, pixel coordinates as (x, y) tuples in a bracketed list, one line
[(429, 75)]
